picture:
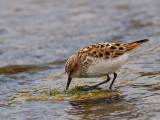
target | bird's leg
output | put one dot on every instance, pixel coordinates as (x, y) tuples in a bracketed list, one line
[(115, 76), (68, 82), (108, 79)]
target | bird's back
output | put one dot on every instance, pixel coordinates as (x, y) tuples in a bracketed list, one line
[(107, 50)]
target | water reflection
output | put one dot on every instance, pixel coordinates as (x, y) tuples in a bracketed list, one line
[(102, 108)]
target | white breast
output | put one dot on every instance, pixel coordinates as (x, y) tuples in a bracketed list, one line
[(101, 67)]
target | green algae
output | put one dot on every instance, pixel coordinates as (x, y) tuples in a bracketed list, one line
[(75, 94), (14, 69), (41, 98), (75, 90), (95, 94)]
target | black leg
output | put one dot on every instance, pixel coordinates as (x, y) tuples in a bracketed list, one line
[(68, 82), (108, 79), (115, 76)]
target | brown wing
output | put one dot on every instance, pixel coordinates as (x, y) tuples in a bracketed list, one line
[(107, 50), (101, 50)]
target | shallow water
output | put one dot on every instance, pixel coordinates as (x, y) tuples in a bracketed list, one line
[(37, 37)]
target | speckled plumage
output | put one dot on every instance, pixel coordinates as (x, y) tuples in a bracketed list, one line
[(99, 59)]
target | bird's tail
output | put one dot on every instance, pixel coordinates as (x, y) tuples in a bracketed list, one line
[(132, 45)]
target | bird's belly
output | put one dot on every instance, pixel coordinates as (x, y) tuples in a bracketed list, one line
[(103, 67)]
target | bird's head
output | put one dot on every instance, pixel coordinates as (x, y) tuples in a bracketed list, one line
[(72, 66)]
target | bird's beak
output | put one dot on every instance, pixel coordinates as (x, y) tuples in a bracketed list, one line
[(68, 82)]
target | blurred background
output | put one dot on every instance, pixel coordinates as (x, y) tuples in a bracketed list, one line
[(38, 36)]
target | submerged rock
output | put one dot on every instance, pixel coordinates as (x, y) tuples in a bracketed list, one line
[(74, 94)]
